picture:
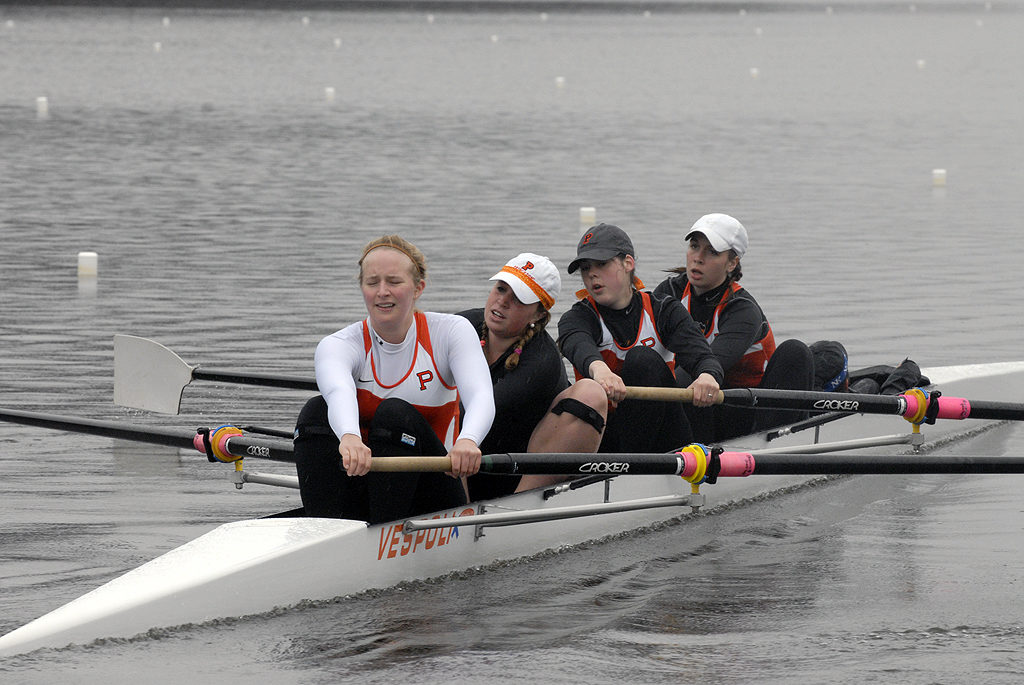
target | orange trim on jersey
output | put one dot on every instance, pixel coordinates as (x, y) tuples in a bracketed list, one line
[(613, 360), (645, 298), (749, 370), (423, 338), (373, 363)]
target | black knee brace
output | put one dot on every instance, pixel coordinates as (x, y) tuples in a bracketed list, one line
[(582, 411)]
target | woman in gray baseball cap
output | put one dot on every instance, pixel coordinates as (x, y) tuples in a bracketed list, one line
[(621, 336), (735, 326)]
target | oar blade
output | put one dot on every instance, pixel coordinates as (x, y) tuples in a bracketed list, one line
[(147, 375)]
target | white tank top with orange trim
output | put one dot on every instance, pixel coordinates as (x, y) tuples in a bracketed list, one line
[(438, 363)]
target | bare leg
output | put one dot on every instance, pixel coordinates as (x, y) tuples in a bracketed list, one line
[(566, 432)]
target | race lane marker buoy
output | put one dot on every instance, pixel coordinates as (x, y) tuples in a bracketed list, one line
[(88, 265), (939, 178), (42, 108), (588, 217), (329, 94)]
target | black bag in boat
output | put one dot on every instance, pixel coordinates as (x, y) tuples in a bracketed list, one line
[(831, 374), (887, 380)]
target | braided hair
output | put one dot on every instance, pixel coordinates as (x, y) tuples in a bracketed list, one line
[(512, 361)]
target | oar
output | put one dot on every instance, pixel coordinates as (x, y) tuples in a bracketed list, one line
[(229, 441), (228, 444), (915, 406), (149, 376), (729, 464)]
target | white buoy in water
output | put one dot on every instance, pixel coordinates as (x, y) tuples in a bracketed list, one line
[(588, 217), (42, 108), (430, 18), (939, 178), (647, 14), (560, 82), (157, 47), (543, 16), (758, 31), (305, 21), (494, 37), (9, 23), (754, 72), (921, 64), (88, 265), (167, 21), (329, 94), (337, 43)]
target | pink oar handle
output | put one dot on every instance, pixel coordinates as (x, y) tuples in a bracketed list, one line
[(733, 464), (949, 407)]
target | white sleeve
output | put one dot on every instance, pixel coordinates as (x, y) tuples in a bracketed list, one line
[(472, 378), (338, 359)]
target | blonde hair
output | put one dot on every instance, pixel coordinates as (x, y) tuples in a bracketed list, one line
[(397, 242)]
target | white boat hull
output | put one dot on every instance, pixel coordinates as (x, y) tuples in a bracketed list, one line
[(254, 566)]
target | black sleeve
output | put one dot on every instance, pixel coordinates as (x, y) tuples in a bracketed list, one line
[(670, 287), (579, 331), (681, 336)]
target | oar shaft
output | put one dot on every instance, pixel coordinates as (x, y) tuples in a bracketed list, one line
[(124, 431), (249, 378), (236, 445), (907, 405), (732, 464), (274, 450), (797, 400), (998, 411), (799, 464)]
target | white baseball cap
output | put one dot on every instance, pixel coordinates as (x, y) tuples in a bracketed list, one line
[(533, 278), (722, 231)]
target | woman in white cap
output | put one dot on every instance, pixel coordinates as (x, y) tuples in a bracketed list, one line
[(735, 326), (528, 374), (391, 386)]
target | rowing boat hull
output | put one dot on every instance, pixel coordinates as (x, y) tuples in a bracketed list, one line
[(254, 566)]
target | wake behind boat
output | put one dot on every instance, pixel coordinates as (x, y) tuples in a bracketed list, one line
[(254, 566)]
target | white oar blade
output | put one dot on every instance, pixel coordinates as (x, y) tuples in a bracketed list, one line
[(147, 375)]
